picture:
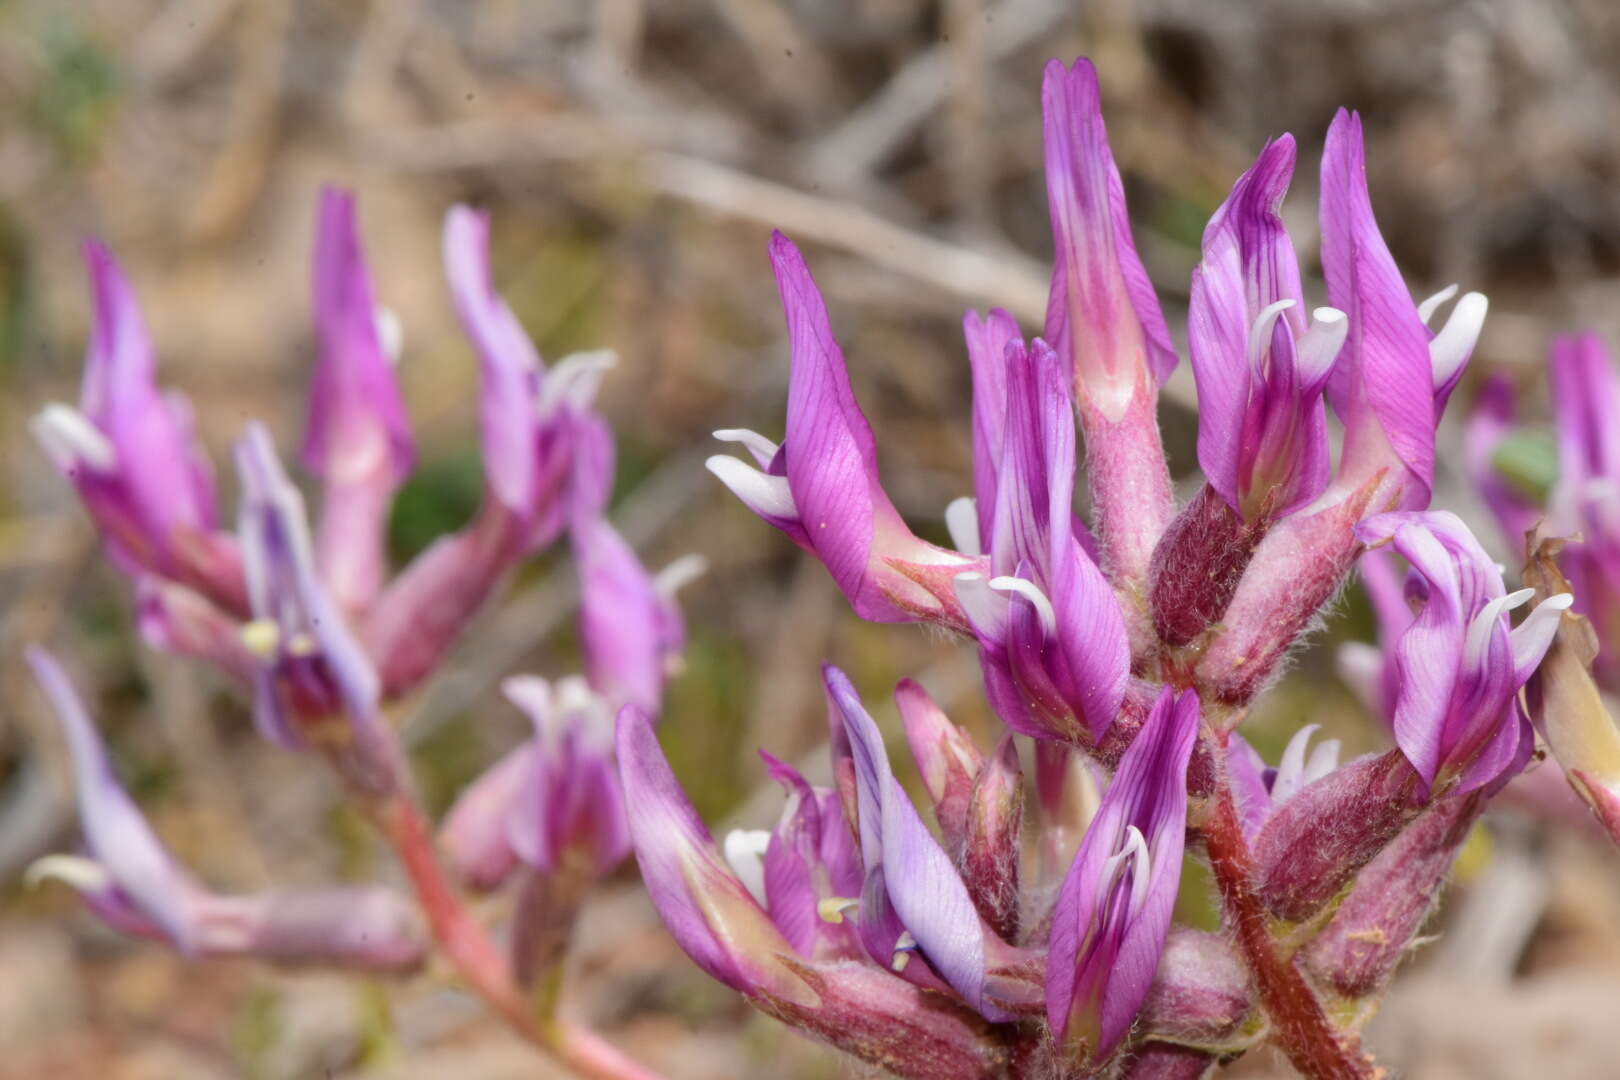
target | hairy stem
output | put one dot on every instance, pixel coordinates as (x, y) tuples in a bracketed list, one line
[(481, 963), (1300, 1028)]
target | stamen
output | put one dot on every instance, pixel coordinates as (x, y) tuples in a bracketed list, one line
[(904, 946), (262, 637), (832, 908), (962, 522)]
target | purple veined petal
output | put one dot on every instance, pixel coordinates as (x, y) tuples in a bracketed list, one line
[(1113, 912), (1248, 268), (1383, 385), (511, 366), (987, 340), (822, 488), (928, 896), (1103, 317), (357, 420), (708, 911), (115, 831)]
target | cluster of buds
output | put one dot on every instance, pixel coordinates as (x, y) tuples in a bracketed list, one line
[(1568, 530), (307, 621), (1128, 651)]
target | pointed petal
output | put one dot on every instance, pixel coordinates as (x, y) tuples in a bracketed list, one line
[(1103, 317), (115, 831)]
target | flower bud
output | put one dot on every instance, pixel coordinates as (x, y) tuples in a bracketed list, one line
[(1374, 926), (947, 759), (1201, 995), (994, 843)]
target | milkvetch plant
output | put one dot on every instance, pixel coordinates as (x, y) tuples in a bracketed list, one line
[(1020, 923)]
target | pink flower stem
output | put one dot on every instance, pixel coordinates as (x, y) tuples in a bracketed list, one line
[(481, 963)]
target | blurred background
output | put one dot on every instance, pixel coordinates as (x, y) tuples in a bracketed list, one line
[(635, 154)]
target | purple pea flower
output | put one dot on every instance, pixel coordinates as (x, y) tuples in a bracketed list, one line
[(1112, 914), (1394, 377), (821, 486), (1052, 638), (720, 922), (1460, 664), (1262, 429), (132, 454), (1260, 789), (130, 881), (570, 810), (358, 441), (631, 630), (312, 666), (1104, 321)]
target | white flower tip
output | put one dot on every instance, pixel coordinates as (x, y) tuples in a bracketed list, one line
[(1429, 306), (962, 522), (70, 438), (1559, 602), (1327, 315), (574, 381), (745, 854), (761, 449), (83, 875), (679, 574), (390, 333), (1031, 592), (764, 494), (1455, 341)]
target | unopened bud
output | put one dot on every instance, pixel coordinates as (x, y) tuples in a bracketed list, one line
[(1201, 994), (1317, 841), (994, 839), (1375, 924), (1197, 567)]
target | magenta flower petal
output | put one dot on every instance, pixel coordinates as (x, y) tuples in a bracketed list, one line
[(1459, 665), (313, 663), (928, 897), (359, 439), (822, 487), (631, 630), (1383, 385), (708, 910), (1113, 912), (475, 831), (987, 341), (1104, 318), (570, 810), (1262, 429), (1491, 420), (141, 877)]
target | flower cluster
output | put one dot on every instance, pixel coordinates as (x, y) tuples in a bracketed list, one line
[(1128, 648), (308, 622)]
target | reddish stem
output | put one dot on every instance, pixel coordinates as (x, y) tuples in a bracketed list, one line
[(1303, 1031), (481, 963)]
